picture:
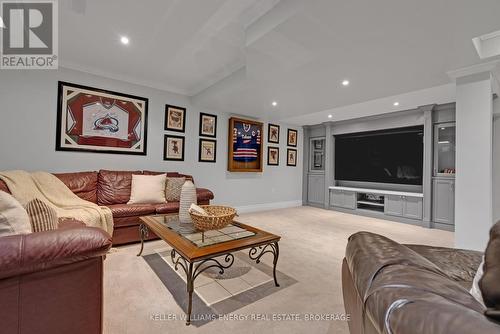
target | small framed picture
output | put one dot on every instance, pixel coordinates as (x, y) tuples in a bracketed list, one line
[(273, 156), (291, 157), (173, 148), (175, 118), (292, 137), (208, 125), (207, 150), (273, 133)]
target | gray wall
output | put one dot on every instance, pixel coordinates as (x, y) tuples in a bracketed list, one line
[(28, 129)]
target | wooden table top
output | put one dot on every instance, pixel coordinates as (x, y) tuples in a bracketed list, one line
[(192, 253)]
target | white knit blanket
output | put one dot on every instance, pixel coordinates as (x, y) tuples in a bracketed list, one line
[(26, 186)]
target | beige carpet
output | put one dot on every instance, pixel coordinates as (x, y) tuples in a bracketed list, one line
[(311, 251)]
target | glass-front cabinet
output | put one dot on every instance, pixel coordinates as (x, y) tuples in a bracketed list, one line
[(317, 158), (444, 149)]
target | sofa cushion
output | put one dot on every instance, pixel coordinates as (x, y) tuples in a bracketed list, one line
[(460, 265), (148, 189), (13, 217), (170, 207), (83, 184), (174, 188), (169, 174), (132, 210), (114, 187), (489, 285)]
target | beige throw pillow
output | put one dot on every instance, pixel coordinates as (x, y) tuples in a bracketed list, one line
[(13, 217), (174, 188), (42, 216), (148, 189)]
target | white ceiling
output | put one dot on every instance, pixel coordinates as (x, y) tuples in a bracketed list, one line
[(240, 55)]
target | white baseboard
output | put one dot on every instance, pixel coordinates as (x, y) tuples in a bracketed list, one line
[(268, 206)]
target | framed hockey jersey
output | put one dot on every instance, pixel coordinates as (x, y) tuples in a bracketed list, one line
[(245, 145), (96, 120)]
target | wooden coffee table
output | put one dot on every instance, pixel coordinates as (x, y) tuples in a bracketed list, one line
[(196, 252)]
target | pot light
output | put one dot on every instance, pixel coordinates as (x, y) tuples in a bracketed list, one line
[(345, 83), (396, 104), (330, 116), (124, 40), (274, 104)]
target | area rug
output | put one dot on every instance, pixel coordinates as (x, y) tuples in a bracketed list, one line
[(217, 295)]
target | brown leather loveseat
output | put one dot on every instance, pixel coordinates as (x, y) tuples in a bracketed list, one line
[(52, 281), (112, 189), (410, 289)]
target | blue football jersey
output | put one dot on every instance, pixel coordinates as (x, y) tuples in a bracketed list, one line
[(246, 142)]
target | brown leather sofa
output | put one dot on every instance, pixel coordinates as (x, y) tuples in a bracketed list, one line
[(52, 282), (393, 288), (112, 189)]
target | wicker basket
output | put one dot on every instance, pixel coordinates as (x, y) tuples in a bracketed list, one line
[(219, 217)]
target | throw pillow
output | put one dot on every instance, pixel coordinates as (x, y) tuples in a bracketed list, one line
[(174, 188), (13, 217), (148, 189), (42, 216), (488, 284), (475, 291)]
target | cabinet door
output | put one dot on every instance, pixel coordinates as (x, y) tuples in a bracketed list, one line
[(336, 198), (393, 205), (412, 207), (443, 208), (349, 200), (316, 189)]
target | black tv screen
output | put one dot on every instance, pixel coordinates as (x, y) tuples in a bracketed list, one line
[(388, 156)]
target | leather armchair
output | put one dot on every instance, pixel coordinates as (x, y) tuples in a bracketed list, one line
[(52, 282)]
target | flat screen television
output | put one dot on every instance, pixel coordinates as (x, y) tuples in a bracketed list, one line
[(387, 156)]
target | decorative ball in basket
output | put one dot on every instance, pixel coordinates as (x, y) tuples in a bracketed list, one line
[(211, 217)]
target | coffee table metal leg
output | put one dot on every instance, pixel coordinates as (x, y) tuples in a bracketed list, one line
[(256, 253), (192, 271), (190, 288), (144, 233)]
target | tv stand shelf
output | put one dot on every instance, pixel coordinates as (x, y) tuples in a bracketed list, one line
[(392, 203), (378, 191)]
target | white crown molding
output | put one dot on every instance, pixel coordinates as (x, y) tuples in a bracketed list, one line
[(124, 78), (491, 67)]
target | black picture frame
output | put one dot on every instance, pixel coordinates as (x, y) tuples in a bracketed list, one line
[(269, 149), (200, 131), (269, 140), (294, 164), (288, 137), (165, 148), (200, 159), (167, 111), (59, 120)]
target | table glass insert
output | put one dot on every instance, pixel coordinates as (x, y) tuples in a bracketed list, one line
[(207, 238)]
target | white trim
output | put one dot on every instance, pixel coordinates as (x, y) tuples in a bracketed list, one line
[(379, 191), (474, 69), (268, 206)]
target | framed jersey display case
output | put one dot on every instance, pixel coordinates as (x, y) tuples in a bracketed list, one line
[(97, 120), (245, 145)]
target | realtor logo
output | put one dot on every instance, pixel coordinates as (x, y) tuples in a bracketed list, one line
[(29, 34)]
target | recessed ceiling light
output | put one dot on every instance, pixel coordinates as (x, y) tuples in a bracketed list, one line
[(124, 40), (330, 116), (274, 103), (345, 83), (396, 104)]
